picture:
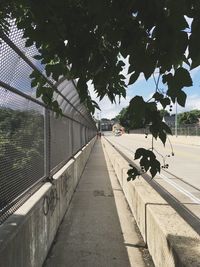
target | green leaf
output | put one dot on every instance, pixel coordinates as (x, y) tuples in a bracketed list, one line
[(148, 160), (165, 102), (39, 91), (155, 168), (82, 88), (166, 78), (132, 173), (38, 57), (181, 98), (137, 109), (139, 153), (166, 128), (158, 96), (162, 135), (182, 77), (28, 43), (194, 42), (133, 77), (34, 83)]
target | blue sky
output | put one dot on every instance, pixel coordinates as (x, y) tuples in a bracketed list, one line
[(146, 89)]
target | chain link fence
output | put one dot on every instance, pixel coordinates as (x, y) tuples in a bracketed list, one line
[(187, 130), (33, 143), (184, 130)]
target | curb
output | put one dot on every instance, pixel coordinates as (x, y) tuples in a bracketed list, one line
[(170, 240)]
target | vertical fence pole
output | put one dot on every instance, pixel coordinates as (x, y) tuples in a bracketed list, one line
[(47, 142), (85, 135), (72, 137), (81, 131), (176, 121)]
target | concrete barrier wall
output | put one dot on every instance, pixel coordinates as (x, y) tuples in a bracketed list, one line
[(27, 235), (170, 240)]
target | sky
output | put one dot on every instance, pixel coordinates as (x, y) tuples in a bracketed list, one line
[(108, 110), (146, 89)]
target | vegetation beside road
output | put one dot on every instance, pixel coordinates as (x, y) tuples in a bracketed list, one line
[(184, 118), (21, 151)]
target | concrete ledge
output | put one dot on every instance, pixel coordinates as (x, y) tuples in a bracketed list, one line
[(171, 241), (27, 235), (187, 140)]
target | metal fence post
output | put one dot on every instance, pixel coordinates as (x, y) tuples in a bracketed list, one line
[(85, 135), (47, 134), (72, 137)]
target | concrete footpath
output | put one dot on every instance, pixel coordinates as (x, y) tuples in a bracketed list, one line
[(98, 230)]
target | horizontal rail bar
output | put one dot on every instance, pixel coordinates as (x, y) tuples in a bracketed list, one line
[(25, 58)]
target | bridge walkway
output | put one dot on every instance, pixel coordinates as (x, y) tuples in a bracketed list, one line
[(98, 229)]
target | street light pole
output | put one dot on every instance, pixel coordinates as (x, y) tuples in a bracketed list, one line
[(176, 121)]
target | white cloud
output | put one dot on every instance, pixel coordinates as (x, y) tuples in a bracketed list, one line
[(192, 102), (194, 72), (109, 110)]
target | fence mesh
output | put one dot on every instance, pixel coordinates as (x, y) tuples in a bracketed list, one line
[(21, 146), (60, 141), (33, 143), (187, 130), (183, 130)]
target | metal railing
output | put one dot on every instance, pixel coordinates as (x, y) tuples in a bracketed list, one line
[(34, 144), (187, 130), (184, 130)]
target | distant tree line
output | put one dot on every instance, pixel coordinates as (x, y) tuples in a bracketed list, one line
[(190, 117), (184, 118)]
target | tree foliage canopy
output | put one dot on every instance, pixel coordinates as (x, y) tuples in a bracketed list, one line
[(87, 40), (190, 117)]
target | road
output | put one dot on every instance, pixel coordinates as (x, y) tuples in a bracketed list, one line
[(181, 179)]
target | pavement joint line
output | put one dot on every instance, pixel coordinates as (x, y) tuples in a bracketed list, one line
[(175, 185), (181, 209), (167, 149), (180, 189)]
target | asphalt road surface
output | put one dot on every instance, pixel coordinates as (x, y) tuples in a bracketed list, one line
[(182, 178)]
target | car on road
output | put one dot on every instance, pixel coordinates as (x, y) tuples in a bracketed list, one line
[(118, 133)]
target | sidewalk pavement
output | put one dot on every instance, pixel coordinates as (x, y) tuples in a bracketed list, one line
[(98, 230)]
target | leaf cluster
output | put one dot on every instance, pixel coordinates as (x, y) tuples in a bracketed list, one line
[(87, 40), (84, 40), (148, 161)]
